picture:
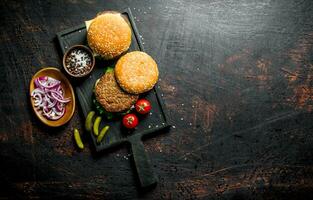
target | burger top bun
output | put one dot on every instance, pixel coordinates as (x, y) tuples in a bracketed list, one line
[(109, 35), (136, 72)]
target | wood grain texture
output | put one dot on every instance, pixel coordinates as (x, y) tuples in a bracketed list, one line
[(236, 78)]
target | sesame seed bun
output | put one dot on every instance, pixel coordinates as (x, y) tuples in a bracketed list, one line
[(136, 72), (109, 94), (109, 35)]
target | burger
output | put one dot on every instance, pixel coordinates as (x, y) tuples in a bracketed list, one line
[(118, 89)]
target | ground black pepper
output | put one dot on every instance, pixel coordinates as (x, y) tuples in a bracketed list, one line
[(78, 62)]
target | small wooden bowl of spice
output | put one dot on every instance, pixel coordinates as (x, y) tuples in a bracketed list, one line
[(78, 61)]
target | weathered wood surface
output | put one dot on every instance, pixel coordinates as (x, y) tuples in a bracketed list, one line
[(236, 78)]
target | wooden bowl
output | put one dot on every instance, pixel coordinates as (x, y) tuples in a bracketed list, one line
[(82, 47), (68, 93)]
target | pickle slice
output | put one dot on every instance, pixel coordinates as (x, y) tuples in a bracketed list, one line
[(88, 122), (78, 140), (96, 126), (102, 134)]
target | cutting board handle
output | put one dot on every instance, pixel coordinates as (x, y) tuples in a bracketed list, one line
[(142, 163)]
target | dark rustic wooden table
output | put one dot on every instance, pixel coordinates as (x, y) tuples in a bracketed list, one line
[(237, 81)]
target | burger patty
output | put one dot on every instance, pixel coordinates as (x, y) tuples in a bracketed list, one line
[(109, 94)]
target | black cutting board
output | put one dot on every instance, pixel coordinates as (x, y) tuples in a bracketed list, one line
[(117, 135)]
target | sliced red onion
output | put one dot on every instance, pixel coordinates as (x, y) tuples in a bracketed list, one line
[(56, 93), (47, 113), (60, 106), (42, 81), (56, 117), (38, 99), (43, 78), (57, 112), (37, 90), (48, 96), (52, 104), (48, 82), (55, 96), (37, 85), (59, 89)]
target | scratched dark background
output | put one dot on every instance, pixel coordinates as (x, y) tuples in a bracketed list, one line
[(236, 78)]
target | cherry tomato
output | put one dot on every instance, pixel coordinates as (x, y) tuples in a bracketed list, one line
[(143, 106), (130, 121)]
